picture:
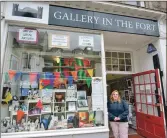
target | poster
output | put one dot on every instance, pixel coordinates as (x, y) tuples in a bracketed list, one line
[(58, 41), (27, 36), (97, 93), (86, 41)]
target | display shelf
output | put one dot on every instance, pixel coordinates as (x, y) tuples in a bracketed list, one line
[(15, 113), (59, 112), (34, 114), (67, 67), (60, 102)]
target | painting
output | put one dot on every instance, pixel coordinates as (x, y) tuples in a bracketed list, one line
[(26, 11), (81, 95)]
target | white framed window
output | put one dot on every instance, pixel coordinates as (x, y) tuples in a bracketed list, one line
[(119, 61)]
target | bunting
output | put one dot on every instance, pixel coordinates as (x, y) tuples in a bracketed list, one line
[(11, 74), (90, 72), (18, 75), (33, 77), (88, 81), (74, 74), (70, 80)]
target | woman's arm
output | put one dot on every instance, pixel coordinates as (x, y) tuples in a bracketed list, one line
[(110, 115), (126, 110)]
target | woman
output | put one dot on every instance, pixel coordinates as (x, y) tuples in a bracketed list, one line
[(118, 111)]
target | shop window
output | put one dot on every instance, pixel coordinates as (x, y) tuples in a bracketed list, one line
[(50, 80), (118, 61)]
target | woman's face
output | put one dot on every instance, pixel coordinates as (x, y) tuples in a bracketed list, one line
[(115, 95)]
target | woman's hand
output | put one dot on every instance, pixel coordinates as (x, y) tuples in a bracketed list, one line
[(116, 118)]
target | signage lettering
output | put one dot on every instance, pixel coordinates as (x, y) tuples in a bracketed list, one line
[(101, 21)]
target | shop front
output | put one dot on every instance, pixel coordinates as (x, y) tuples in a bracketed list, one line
[(55, 62)]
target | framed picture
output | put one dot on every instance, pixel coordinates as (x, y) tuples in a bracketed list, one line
[(129, 83), (81, 95), (14, 62), (71, 106), (82, 103), (126, 95), (58, 41)]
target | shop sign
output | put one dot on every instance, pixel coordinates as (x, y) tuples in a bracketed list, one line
[(101, 21), (86, 41), (27, 36), (58, 41)]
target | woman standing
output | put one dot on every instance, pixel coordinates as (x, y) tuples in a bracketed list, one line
[(118, 111)]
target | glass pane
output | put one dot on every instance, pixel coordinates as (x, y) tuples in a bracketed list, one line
[(138, 107), (148, 88), (143, 98), (121, 55), (114, 61), (152, 75), (155, 111), (128, 61), (121, 61), (142, 88), (137, 89), (114, 54), (108, 54), (108, 67), (121, 68), (153, 88), (115, 67), (108, 61), (149, 99), (136, 81), (144, 108), (147, 78), (141, 79), (127, 55), (150, 110), (128, 68), (138, 98)]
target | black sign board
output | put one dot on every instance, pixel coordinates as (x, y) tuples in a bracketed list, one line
[(70, 17)]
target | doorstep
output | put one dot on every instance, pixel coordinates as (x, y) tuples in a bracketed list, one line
[(133, 136)]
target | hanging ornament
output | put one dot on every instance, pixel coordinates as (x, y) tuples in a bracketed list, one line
[(18, 75), (88, 81), (71, 61), (70, 80), (86, 62), (79, 62), (90, 72), (57, 75), (20, 115), (66, 61), (39, 105), (11, 73), (33, 77), (8, 97), (57, 59), (84, 74), (80, 74), (74, 74), (66, 72)]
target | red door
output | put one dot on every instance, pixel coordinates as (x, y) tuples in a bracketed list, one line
[(149, 104)]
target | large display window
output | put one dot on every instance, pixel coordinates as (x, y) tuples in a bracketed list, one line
[(51, 80)]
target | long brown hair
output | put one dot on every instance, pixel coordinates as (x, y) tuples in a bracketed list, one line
[(111, 96)]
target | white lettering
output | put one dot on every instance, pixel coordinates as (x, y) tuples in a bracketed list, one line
[(108, 21), (83, 18), (59, 17), (65, 16), (96, 19), (90, 19), (130, 24)]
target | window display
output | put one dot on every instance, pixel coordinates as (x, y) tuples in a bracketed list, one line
[(51, 88)]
